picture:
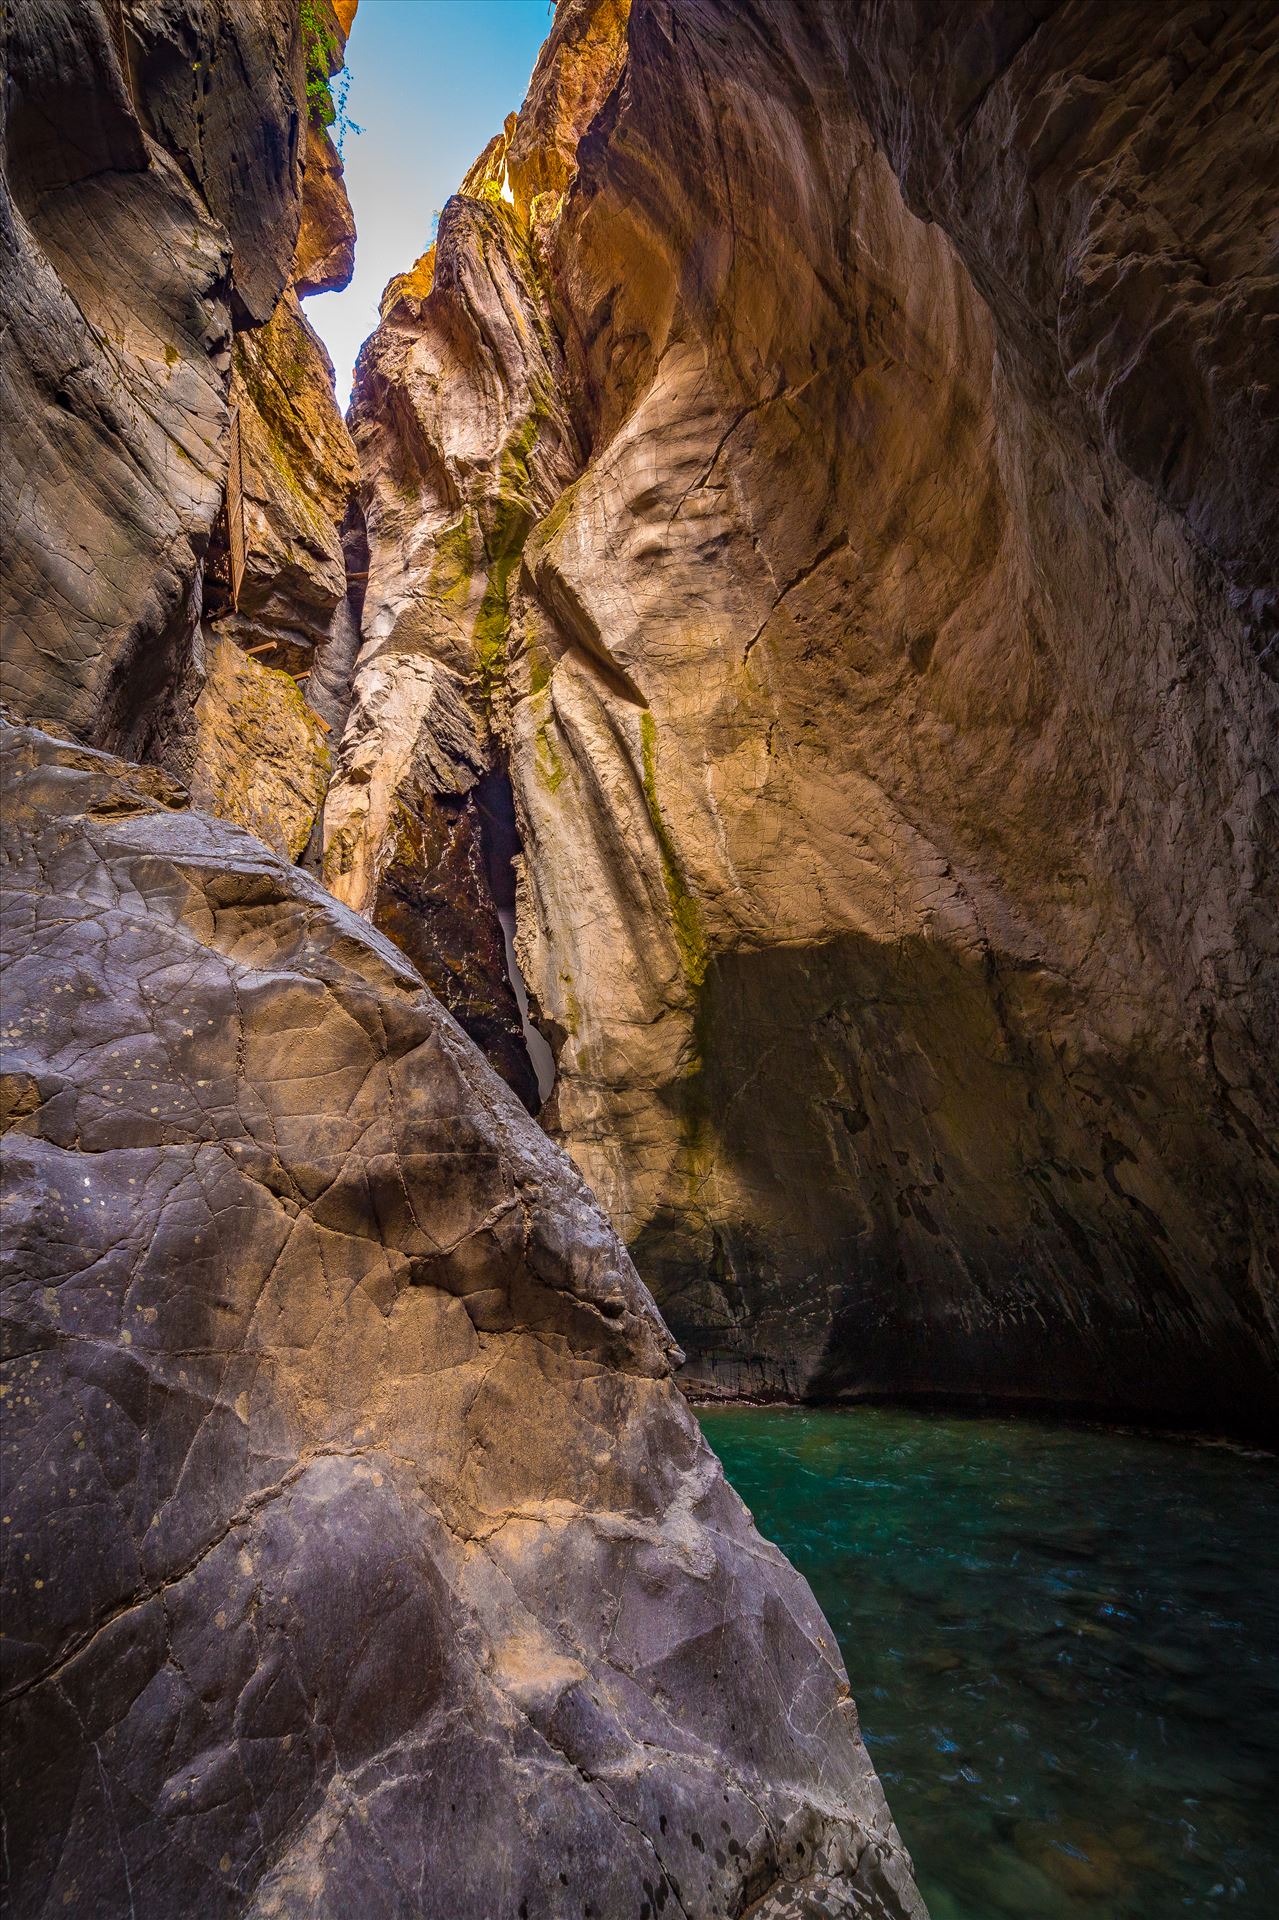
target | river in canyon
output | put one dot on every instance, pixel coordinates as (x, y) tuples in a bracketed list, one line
[(1064, 1645)]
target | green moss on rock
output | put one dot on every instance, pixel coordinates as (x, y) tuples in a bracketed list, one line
[(686, 918), (450, 576), (510, 518)]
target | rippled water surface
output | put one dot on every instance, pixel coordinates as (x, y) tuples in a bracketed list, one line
[(1064, 1645)]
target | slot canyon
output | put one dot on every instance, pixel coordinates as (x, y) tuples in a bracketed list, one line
[(713, 840)]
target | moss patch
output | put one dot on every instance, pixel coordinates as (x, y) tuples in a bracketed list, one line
[(550, 768), (686, 918), (450, 576), (510, 519), (550, 526)]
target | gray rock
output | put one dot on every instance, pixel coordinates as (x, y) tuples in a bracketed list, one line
[(359, 1556)]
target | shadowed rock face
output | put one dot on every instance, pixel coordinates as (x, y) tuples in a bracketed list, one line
[(1108, 179), (152, 190), (156, 167), (885, 694), (347, 1490)]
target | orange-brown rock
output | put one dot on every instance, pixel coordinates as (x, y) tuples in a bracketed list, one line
[(532, 162), (325, 257), (488, 450), (260, 756), (257, 752), (884, 695), (300, 472)]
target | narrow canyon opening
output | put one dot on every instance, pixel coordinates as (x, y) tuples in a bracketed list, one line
[(501, 838)]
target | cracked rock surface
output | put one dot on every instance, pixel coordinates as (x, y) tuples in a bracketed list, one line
[(359, 1556)]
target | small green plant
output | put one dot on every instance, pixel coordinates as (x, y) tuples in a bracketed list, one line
[(326, 88), (319, 51)]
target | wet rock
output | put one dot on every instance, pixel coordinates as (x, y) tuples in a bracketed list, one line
[(347, 1488), (1081, 1862)]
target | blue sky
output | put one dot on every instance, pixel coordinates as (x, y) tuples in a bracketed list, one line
[(431, 83)]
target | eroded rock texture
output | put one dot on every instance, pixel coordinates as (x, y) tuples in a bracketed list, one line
[(360, 1556), (153, 175), (884, 690), (260, 755), (470, 447), (283, 601), (156, 172)]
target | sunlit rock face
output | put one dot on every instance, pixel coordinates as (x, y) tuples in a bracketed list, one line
[(325, 258), (260, 755), (299, 477), (347, 1490), (884, 691), (467, 445)]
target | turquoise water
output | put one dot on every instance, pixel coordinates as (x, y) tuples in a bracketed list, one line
[(1064, 1645)]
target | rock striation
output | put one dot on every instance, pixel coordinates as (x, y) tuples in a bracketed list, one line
[(828, 463), (153, 178), (346, 1486)]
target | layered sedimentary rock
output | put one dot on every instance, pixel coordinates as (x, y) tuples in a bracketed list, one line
[(884, 694), (285, 585), (347, 1491), (470, 448), (465, 443)]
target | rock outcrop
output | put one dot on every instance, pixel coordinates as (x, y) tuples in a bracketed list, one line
[(829, 463), (259, 756), (486, 454), (347, 1492), (286, 582)]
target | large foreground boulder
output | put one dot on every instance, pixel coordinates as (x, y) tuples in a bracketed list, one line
[(360, 1556)]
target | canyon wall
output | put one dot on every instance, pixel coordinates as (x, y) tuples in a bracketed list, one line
[(827, 465), (347, 1489)]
